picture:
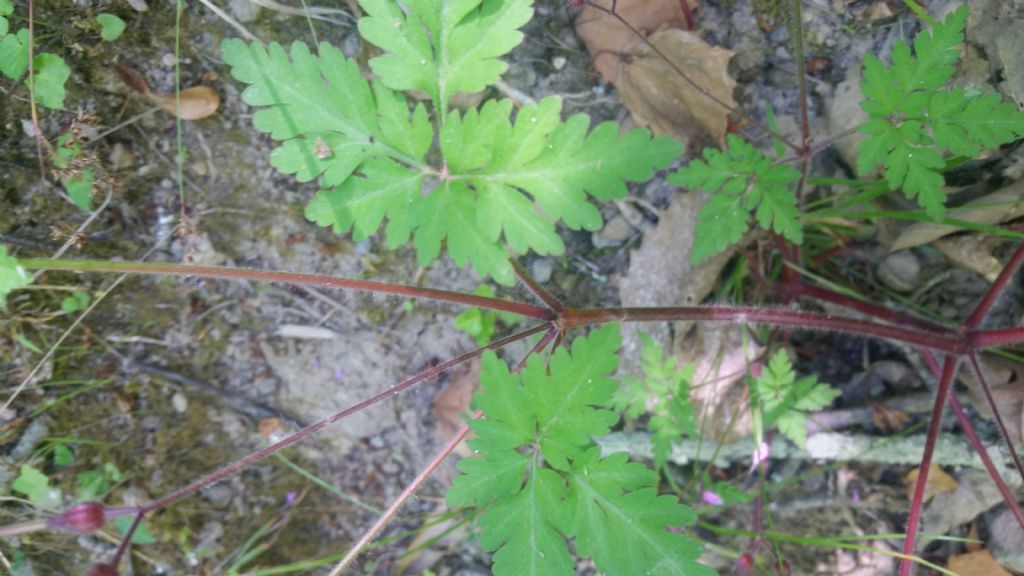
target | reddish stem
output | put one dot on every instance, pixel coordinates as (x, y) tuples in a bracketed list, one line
[(801, 288), (535, 288), (983, 307), (995, 337), (224, 273), (254, 457), (943, 340), (995, 414), (917, 502)]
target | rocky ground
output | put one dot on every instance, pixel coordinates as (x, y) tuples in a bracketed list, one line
[(170, 378)]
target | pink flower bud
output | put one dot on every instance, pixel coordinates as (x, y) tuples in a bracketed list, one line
[(711, 498), (756, 369), (83, 517), (103, 570)]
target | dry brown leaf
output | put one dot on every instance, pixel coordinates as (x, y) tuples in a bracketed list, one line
[(1003, 378), (980, 563), (974, 252), (132, 78), (608, 40), (197, 102), (1000, 206), (660, 99), (453, 401), (938, 482), (888, 419)]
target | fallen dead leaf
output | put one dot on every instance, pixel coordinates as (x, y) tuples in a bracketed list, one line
[(888, 419), (980, 563), (452, 402), (1003, 377), (938, 482), (974, 252), (975, 493), (660, 99), (197, 102), (608, 40), (1000, 206)]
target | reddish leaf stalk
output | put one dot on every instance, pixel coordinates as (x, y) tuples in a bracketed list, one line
[(949, 365), (246, 461), (536, 289), (944, 340), (395, 506), (224, 273), (982, 310), (997, 416), (801, 288)]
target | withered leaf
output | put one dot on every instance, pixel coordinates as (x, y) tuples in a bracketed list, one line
[(608, 40), (937, 483), (667, 103), (197, 102)]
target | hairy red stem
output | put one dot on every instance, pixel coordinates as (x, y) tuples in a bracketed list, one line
[(943, 340), (224, 273), (252, 458), (983, 307), (917, 502)]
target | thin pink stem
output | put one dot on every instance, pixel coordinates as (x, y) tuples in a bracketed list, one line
[(535, 288), (995, 337), (245, 462), (944, 340), (224, 273), (917, 503), (388, 514), (395, 506), (802, 288), (965, 424), (983, 307), (996, 415)]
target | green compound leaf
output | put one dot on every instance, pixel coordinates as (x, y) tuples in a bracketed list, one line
[(664, 393), (442, 46), (741, 181), (50, 73), (12, 275), (786, 401), (914, 119), (503, 186), (541, 481), (626, 533), (515, 180), (111, 27)]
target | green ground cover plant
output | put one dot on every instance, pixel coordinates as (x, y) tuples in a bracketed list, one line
[(486, 185)]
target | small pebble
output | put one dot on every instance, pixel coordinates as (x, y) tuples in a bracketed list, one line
[(614, 233), (180, 402), (558, 62), (541, 269), (900, 271)]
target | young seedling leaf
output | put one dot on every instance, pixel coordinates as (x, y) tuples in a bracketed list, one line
[(442, 47), (741, 181), (49, 75), (14, 54), (664, 393), (6, 9), (111, 27), (786, 401), (12, 275), (541, 480)]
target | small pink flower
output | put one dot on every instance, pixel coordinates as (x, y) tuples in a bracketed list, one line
[(711, 498)]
